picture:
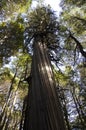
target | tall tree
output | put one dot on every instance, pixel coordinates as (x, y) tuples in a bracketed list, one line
[(43, 109), (72, 32), (11, 48)]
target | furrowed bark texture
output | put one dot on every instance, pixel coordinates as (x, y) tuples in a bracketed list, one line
[(44, 109)]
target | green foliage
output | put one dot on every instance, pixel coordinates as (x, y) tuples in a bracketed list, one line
[(23, 63), (73, 25), (8, 7), (69, 71), (61, 78), (75, 16), (43, 23), (11, 38), (5, 75), (13, 89), (72, 33)]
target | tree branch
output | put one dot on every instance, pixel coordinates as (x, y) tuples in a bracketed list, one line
[(81, 19), (79, 45)]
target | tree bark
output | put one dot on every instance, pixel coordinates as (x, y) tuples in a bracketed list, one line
[(43, 109)]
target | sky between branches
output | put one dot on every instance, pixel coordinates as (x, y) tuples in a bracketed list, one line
[(53, 3)]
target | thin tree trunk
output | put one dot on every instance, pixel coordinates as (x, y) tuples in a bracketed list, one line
[(78, 110), (43, 110), (23, 113)]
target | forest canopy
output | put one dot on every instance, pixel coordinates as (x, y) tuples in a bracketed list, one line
[(63, 50)]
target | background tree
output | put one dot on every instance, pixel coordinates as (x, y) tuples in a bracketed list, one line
[(14, 65), (72, 35), (74, 21)]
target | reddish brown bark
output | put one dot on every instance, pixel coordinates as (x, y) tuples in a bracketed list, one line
[(43, 109)]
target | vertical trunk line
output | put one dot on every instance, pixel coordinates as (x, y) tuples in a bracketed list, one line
[(51, 83), (44, 106)]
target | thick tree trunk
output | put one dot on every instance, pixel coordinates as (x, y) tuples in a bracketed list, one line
[(43, 109)]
